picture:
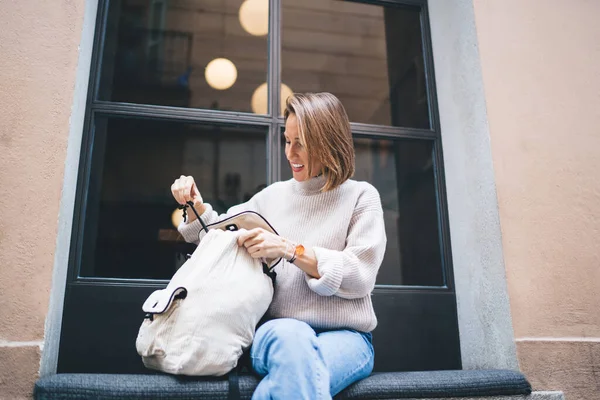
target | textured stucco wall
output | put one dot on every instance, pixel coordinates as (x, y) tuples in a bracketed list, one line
[(38, 57), (486, 333), (540, 62)]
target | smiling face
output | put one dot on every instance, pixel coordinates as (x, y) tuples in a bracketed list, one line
[(296, 153), (317, 129)]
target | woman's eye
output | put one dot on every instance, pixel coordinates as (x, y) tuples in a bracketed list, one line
[(287, 142)]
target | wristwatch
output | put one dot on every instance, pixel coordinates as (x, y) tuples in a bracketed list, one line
[(298, 251)]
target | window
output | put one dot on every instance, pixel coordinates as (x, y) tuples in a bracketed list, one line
[(370, 56), (158, 113), (136, 160), (197, 87), (184, 53)]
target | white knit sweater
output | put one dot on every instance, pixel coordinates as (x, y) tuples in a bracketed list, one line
[(343, 226)]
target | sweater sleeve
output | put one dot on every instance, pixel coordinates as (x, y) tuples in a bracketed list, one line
[(193, 233), (351, 273)]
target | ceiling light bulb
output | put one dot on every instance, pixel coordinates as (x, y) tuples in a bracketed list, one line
[(220, 73), (259, 98), (177, 217), (254, 17)]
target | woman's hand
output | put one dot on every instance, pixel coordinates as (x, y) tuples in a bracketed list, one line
[(184, 189), (262, 244)]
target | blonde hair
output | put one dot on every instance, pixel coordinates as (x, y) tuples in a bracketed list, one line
[(324, 130)]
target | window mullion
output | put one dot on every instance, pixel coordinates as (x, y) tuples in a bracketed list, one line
[(178, 113), (392, 131), (274, 58), (274, 79)]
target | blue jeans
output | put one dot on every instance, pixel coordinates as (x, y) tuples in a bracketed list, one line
[(297, 362)]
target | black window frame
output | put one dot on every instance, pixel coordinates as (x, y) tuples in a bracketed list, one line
[(274, 124)]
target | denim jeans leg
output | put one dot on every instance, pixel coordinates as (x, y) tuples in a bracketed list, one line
[(297, 363), (286, 353), (348, 355)]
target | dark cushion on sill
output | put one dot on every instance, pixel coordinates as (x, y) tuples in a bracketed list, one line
[(385, 385), (463, 383)]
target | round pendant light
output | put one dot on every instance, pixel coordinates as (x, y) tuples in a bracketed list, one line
[(220, 73), (177, 217), (259, 98), (254, 17)]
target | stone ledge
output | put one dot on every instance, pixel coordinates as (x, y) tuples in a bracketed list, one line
[(533, 396), (458, 384)]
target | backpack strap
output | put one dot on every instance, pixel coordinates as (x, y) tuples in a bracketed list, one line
[(269, 272), (191, 204)]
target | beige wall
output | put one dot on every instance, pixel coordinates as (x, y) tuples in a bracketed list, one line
[(38, 58), (540, 61)]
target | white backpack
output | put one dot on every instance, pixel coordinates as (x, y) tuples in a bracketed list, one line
[(207, 315)]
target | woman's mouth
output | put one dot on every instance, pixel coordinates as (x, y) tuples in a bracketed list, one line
[(296, 167)]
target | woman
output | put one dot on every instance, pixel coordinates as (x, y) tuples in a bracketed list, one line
[(317, 341)]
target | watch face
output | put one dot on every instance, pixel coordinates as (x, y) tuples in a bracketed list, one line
[(299, 250)]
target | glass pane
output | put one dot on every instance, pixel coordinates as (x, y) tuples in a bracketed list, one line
[(129, 232), (402, 172), (187, 53), (369, 56)]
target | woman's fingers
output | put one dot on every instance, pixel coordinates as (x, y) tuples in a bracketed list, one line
[(255, 251), (184, 189), (175, 187), (244, 236), (260, 243), (188, 181), (180, 192), (173, 192), (196, 197), (253, 241)]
